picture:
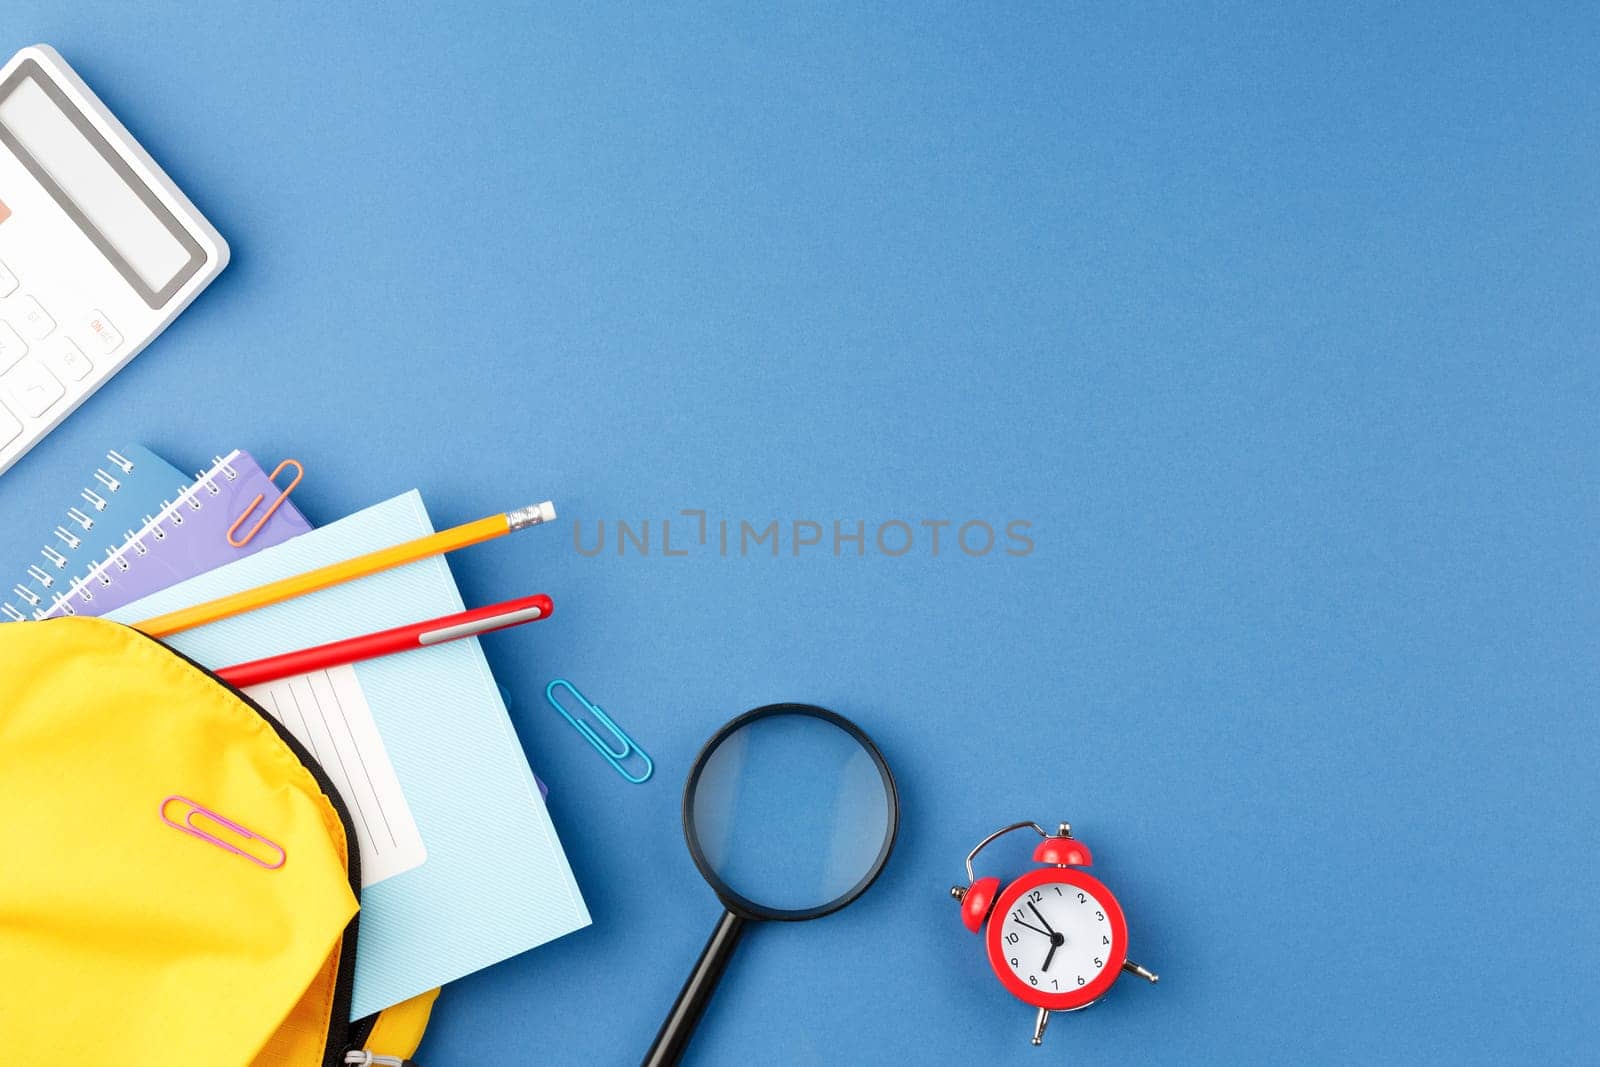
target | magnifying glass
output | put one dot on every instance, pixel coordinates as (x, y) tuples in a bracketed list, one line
[(790, 813)]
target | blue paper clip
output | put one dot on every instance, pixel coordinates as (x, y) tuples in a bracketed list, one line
[(613, 756)]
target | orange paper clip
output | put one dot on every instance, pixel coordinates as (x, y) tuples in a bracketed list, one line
[(300, 472)]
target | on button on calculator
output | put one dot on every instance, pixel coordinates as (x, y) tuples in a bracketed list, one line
[(101, 329)]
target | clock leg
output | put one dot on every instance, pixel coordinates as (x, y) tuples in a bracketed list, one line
[(1039, 1024), (1143, 972)]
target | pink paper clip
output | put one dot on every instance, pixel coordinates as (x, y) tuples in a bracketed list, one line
[(188, 826)]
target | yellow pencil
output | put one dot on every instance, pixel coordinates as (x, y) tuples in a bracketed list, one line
[(471, 533)]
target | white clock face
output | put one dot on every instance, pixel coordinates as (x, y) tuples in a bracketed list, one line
[(1057, 937)]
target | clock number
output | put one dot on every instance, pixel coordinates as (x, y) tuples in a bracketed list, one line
[(1098, 963), (1011, 938), (1080, 979), (1017, 915), (1033, 978), (1036, 896), (1082, 899), (1013, 961), (1104, 940), (1100, 915), (1057, 889), (1053, 984)]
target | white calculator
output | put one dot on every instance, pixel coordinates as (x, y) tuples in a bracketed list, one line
[(99, 251)]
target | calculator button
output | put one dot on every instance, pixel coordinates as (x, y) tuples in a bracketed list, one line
[(31, 389), (103, 332), (8, 281), (69, 360), (9, 428), (34, 318), (12, 347)]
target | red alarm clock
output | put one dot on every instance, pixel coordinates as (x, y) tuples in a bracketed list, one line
[(1056, 937)]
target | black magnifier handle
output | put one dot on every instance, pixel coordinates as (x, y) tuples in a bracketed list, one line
[(679, 1026)]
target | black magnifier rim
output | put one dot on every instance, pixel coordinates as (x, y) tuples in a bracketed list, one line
[(743, 906)]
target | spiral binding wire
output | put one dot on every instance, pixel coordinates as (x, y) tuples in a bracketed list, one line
[(108, 482), (155, 526)]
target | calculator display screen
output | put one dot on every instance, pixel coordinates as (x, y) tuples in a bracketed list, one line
[(95, 186)]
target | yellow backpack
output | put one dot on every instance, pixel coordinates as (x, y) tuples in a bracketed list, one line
[(178, 878)]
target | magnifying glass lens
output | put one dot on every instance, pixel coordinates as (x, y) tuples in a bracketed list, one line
[(790, 814)]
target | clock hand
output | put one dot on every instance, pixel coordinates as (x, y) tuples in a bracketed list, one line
[(1055, 943), (1048, 928), (1030, 926)]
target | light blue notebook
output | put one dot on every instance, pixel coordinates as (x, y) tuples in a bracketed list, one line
[(488, 878)]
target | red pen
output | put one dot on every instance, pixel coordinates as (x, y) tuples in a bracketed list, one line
[(387, 642)]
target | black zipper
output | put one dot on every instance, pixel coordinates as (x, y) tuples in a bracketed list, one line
[(333, 1052)]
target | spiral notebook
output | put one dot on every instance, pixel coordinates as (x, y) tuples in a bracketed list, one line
[(125, 488), (186, 537)]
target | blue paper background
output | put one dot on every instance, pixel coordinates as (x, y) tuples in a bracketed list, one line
[(1278, 325)]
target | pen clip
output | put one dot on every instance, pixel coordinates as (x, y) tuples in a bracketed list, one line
[(613, 756), (300, 472)]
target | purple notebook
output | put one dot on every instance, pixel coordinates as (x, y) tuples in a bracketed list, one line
[(187, 537)]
